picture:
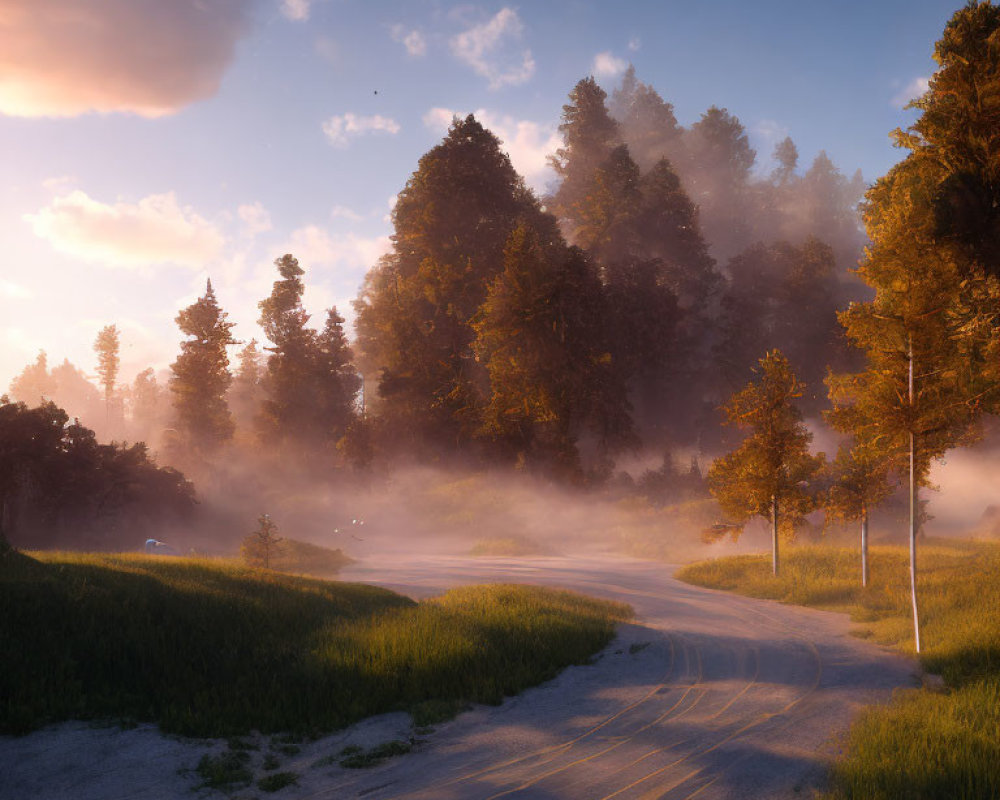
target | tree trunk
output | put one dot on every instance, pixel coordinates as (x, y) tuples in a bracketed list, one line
[(774, 534), (864, 546), (913, 509)]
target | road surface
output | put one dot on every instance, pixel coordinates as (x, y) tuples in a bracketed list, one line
[(708, 695)]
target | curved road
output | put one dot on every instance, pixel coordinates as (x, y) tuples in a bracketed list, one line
[(708, 695)]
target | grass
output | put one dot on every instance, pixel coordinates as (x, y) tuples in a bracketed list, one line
[(925, 744), (212, 648)]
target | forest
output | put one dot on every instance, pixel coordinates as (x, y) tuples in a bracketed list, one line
[(667, 304)]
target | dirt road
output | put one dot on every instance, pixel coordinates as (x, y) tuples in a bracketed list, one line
[(707, 695)]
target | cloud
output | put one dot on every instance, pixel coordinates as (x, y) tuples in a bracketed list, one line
[(295, 10), (315, 247), (343, 212), (527, 143), (634, 44), (492, 50), (63, 58), (341, 129), (413, 41), (153, 231), (255, 219), (14, 291), (914, 89), (607, 66)]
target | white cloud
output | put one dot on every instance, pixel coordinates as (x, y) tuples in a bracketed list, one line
[(341, 129), (255, 219), (527, 143), (493, 50), (313, 246), (62, 58), (14, 291), (295, 10), (634, 44), (607, 65), (912, 90), (343, 212), (153, 231), (413, 41)]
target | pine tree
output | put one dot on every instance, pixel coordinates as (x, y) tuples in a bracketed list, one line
[(34, 384), (337, 381), (107, 346), (647, 123), (246, 392), (769, 475), (452, 221), (201, 376), (289, 410)]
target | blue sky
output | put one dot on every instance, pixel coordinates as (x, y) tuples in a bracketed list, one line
[(149, 145)]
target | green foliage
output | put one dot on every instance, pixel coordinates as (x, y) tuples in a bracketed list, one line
[(201, 377), (212, 648), (58, 485), (927, 745), (773, 463), (225, 771), (362, 759)]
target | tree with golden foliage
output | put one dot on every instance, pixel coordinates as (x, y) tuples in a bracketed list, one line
[(771, 473)]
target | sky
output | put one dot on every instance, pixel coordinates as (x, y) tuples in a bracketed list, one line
[(146, 146)]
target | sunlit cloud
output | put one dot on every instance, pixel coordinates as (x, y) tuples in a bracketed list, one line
[(914, 89), (62, 58), (340, 130), (14, 291), (315, 247), (255, 219), (413, 41), (493, 50), (343, 212), (296, 10), (607, 65), (527, 143), (154, 230)]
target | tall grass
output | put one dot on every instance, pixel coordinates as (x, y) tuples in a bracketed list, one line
[(214, 648), (926, 744)]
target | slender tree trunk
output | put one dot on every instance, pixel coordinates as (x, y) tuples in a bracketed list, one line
[(774, 533), (913, 508), (864, 546)]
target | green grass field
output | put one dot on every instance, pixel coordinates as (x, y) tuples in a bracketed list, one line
[(925, 744), (209, 648)]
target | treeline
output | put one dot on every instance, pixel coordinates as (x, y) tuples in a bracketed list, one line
[(502, 328), (59, 485)]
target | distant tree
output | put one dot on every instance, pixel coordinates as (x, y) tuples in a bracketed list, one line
[(201, 376), (859, 479), (647, 123), (107, 346), (786, 155), (34, 384), (589, 137), (769, 475), (149, 405), (246, 391), (263, 544), (337, 381), (289, 408), (59, 486)]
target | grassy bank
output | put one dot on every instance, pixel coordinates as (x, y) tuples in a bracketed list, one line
[(925, 744), (206, 647)]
